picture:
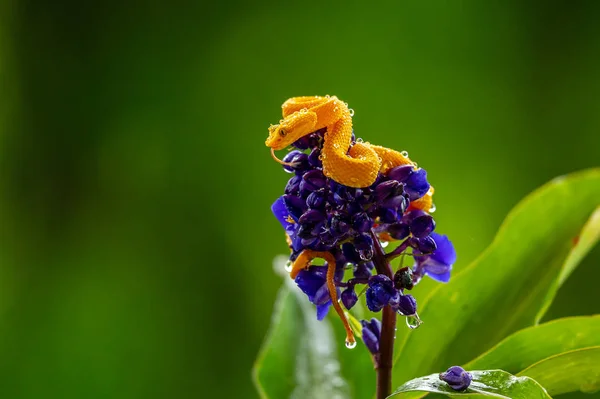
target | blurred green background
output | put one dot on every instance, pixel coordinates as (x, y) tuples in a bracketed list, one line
[(136, 236)]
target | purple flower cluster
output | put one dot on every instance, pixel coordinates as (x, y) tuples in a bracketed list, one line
[(320, 214)]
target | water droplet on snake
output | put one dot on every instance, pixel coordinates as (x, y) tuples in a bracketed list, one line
[(288, 266), (336, 145), (351, 112), (359, 140), (404, 154), (432, 209), (350, 344), (327, 96), (335, 109)]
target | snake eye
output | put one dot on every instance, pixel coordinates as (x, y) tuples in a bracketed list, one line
[(282, 132)]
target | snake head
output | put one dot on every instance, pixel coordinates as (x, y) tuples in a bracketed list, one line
[(290, 129)]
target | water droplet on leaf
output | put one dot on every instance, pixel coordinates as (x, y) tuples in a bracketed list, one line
[(413, 321)]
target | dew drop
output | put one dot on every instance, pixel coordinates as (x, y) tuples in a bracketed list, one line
[(335, 109), (351, 112), (366, 255), (415, 165), (350, 344), (336, 145), (384, 244), (413, 321), (432, 209), (346, 104), (327, 96), (404, 154), (280, 121), (288, 266), (359, 140), (303, 110)]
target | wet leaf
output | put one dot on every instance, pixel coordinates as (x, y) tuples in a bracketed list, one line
[(531, 345), (577, 370), (489, 383)]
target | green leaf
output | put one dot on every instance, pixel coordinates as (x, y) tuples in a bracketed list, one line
[(584, 243), (489, 383), (505, 288), (298, 358), (577, 370), (533, 344)]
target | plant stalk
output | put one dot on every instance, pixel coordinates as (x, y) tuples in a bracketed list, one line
[(385, 358)]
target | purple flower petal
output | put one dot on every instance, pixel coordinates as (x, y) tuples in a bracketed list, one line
[(322, 310)]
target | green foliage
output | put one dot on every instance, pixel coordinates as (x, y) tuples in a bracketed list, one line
[(506, 289), (534, 344), (577, 370), (298, 359), (507, 286), (493, 383)]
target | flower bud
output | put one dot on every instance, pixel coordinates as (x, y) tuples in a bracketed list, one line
[(403, 279), (422, 226), (349, 297), (316, 199), (313, 158), (381, 292), (371, 333), (361, 222), (399, 231), (457, 378), (298, 161), (296, 206), (417, 185), (407, 305)]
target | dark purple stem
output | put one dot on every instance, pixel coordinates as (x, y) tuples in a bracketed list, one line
[(398, 251), (385, 358)]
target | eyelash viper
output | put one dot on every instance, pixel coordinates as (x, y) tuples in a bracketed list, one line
[(353, 165)]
